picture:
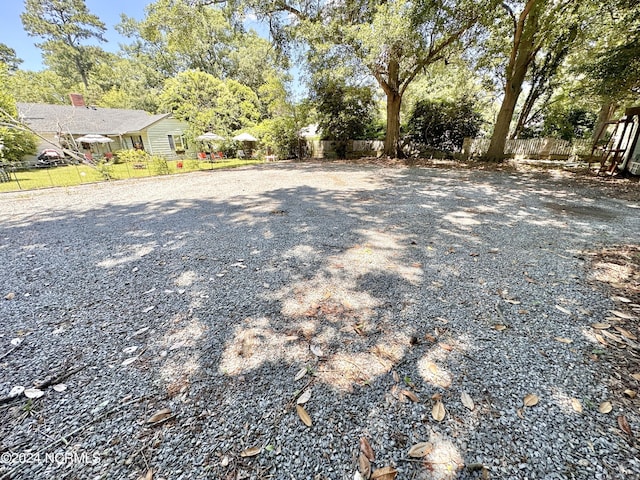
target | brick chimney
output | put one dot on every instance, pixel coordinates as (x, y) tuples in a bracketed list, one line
[(77, 100)]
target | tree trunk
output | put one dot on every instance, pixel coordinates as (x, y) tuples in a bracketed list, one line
[(532, 96), (81, 70), (394, 100), (522, 54), (501, 129), (392, 136)]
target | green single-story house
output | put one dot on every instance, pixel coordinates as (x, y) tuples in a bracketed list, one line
[(60, 125)]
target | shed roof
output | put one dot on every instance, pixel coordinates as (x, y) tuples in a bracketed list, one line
[(84, 120)]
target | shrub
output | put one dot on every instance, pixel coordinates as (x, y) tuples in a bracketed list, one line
[(443, 125), (563, 122), (132, 156)]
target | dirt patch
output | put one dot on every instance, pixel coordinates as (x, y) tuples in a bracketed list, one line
[(623, 187), (581, 211)]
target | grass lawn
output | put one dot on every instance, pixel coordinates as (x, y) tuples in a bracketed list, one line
[(77, 174)]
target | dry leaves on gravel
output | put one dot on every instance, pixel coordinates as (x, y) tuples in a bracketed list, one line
[(438, 412), (420, 450), (467, 401), (160, 415), (384, 473), (251, 452), (304, 416), (605, 407)]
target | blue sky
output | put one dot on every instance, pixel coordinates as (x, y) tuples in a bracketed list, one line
[(13, 35)]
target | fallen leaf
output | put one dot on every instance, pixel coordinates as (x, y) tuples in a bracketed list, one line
[(612, 336), (576, 405), (623, 315), (10, 296), (500, 327), (630, 393), (304, 416), (59, 387), (563, 340), (178, 345), (420, 450), (636, 376), (605, 407), (621, 299), (364, 466), (485, 473), (626, 333), (600, 339), (251, 452), (563, 310), (140, 332), (316, 350), (410, 395), (430, 338), (512, 302), (33, 393), (129, 361), (358, 476), (365, 447), (438, 412), (301, 373), (395, 391), (467, 401), (160, 415), (385, 473), (396, 377), (304, 398), (601, 326), (520, 413), (531, 400), (446, 346), (148, 476), (624, 425), (436, 397), (17, 390)]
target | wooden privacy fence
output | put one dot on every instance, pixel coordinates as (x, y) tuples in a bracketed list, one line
[(533, 148)]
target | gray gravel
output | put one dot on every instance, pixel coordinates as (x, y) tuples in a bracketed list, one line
[(227, 282)]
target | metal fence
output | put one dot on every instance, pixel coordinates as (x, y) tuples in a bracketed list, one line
[(19, 176)]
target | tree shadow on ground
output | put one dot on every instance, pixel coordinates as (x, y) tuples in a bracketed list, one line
[(394, 284)]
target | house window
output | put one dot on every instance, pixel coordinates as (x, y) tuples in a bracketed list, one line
[(136, 142), (177, 143)]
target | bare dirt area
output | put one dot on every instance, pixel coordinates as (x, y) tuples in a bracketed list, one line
[(322, 321)]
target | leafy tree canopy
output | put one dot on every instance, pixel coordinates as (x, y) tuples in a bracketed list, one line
[(16, 141), (177, 35), (209, 103), (9, 58), (65, 26)]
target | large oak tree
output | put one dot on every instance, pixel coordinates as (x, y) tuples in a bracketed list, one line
[(393, 41)]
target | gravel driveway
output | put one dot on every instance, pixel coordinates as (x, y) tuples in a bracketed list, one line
[(180, 319)]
